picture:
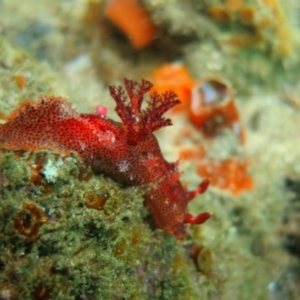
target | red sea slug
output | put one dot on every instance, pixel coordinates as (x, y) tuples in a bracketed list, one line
[(128, 152)]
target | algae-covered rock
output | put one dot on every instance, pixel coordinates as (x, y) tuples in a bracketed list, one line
[(75, 235)]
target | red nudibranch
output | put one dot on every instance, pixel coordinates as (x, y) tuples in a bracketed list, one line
[(127, 152)]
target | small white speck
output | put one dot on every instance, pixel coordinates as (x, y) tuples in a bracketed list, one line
[(51, 170), (82, 145), (123, 166), (136, 118), (110, 136)]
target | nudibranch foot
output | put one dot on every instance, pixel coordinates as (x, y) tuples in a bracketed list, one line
[(201, 218), (202, 187)]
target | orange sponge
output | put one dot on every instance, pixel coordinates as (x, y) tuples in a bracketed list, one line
[(176, 78), (230, 174), (133, 20)]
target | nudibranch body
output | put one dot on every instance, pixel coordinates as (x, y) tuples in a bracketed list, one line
[(126, 151)]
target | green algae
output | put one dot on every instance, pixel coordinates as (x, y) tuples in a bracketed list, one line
[(108, 252)]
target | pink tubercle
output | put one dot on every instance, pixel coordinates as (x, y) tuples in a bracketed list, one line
[(101, 110)]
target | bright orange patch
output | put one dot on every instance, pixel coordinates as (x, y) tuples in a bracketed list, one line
[(176, 78), (230, 174), (133, 20), (20, 80)]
